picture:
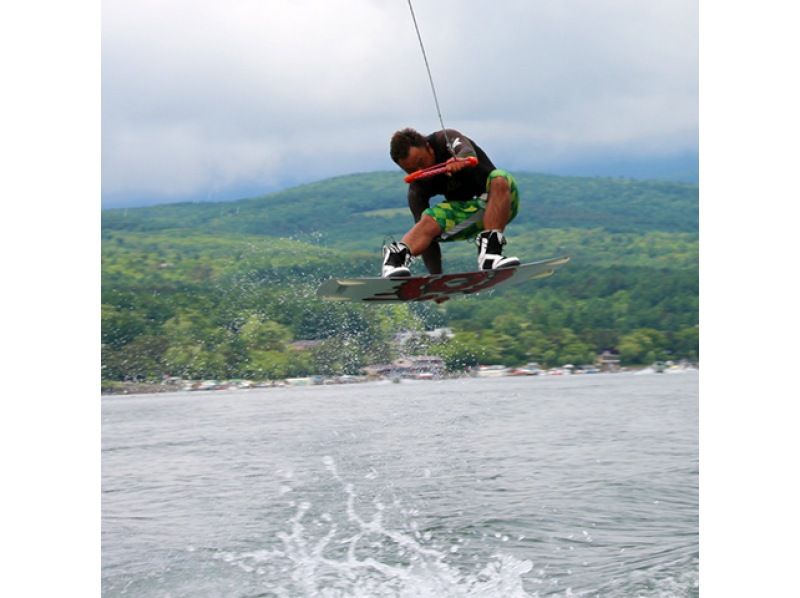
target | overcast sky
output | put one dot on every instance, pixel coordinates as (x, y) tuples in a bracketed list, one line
[(207, 100)]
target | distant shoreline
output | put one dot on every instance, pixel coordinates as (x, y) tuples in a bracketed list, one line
[(144, 388)]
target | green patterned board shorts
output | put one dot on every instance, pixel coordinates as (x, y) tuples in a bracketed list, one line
[(464, 219)]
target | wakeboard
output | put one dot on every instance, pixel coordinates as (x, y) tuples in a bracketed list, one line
[(434, 287)]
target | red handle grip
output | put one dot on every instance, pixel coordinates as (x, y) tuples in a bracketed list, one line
[(437, 169)]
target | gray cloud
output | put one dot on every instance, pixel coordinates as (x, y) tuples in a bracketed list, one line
[(204, 99)]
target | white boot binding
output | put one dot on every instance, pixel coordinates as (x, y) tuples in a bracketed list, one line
[(396, 260), (490, 251)]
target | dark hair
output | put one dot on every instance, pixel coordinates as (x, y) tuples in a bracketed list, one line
[(403, 141)]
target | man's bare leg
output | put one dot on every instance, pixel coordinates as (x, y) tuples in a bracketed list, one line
[(420, 241), (498, 206), (491, 240)]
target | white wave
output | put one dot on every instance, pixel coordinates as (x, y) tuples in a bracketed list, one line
[(352, 556)]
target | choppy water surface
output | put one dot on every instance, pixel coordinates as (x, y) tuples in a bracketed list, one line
[(537, 486)]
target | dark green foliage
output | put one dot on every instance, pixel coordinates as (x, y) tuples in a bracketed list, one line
[(223, 290), (356, 211)]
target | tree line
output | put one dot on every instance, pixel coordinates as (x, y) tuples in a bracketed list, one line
[(214, 306), (225, 290)]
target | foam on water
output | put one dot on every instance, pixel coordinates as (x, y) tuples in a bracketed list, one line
[(352, 556), (453, 493)]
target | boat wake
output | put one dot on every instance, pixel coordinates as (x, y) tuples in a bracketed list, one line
[(354, 556)]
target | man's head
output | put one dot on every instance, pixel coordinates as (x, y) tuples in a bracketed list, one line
[(411, 151)]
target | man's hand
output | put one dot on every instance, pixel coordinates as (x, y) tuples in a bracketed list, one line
[(453, 165)]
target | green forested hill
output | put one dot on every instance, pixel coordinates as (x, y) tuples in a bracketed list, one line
[(368, 206), (222, 289)]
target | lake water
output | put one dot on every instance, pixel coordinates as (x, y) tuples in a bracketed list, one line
[(492, 487)]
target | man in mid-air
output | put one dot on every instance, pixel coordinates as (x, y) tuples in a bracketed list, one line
[(479, 201)]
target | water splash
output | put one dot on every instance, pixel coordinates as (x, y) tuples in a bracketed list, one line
[(350, 555)]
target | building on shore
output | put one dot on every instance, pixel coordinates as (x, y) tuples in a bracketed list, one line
[(608, 361), (417, 366)]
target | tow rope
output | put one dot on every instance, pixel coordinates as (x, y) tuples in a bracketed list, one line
[(430, 78)]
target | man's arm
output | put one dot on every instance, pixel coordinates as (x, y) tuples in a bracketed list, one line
[(462, 147), (432, 256)]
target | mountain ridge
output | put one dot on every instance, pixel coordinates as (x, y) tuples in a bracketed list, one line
[(370, 205)]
